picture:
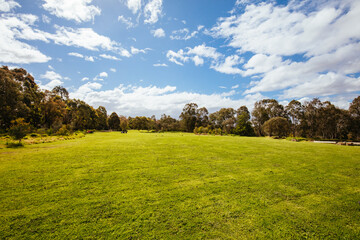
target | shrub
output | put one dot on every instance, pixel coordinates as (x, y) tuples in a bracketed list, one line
[(63, 131), (277, 126), (19, 129)]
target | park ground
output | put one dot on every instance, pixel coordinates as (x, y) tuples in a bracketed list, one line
[(179, 186)]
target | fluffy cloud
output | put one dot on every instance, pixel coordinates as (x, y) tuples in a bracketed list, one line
[(79, 10), (100, 76), (136, 50), (196, 54), (13, 28), (7, 5), (177, 57), (197, 60), (158, 33), (228, 65), (152, 11), (146, 101), (82, 37), (134, 5), (89, 58), (301, 49), (103, 74), (55, 80), (126, 21), (280, 30)]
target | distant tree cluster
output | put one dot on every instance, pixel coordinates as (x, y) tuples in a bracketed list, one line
[(21, 101), (23, 106)]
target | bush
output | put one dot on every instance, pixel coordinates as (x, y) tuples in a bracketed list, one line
[(19, 129), (277, 126), (63, 131)]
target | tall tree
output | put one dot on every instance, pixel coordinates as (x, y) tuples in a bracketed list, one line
[(354, 111), (11, 104), (277, 126), (188, 116), (243, 124), (295, 111), (263, 111), (114, 121)]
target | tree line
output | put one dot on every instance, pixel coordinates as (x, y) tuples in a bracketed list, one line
[(21, 101)]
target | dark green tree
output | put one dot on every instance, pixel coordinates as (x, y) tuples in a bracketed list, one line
[(19, 129), (188, 117), (243, 124), (114, 121), (277, 126)]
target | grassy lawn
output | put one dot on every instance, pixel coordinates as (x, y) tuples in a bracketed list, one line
[(179, 186)]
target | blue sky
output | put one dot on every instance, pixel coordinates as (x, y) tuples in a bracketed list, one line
[(145, 57)]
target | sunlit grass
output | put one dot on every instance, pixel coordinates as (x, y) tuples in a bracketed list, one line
[(179, 186)]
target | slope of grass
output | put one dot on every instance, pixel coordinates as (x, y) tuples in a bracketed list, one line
[(179, 186)]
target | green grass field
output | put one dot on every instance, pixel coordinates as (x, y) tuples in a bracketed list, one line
[(179, 186)]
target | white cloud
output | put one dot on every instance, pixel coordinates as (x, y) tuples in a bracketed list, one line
[(123, 52), (198, 60), (79, 55), (113, 69), (55, 80), (158, 33), (136, 50), (14, 27), (46, 19), (331, 84), (235, 86), (134, 5), (205, 51), (86, 89), (79, 10), (85, 79), (278, 30), (228, 66), (83, 37), (319, 39), (50, 67), (74, 54), (103, 74), (196, 54), (160, 65), (152, 11), (126, 21), (90, 59), (176, 57), (8, 5), (146, 101), (182, 34), (261, 63), (110, 57)]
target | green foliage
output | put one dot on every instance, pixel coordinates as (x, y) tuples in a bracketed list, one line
[(63, 131), (277, 126), (19, 129), (179, 186), (114, 121)]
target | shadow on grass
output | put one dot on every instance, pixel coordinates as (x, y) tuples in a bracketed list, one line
[(14, 145)]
